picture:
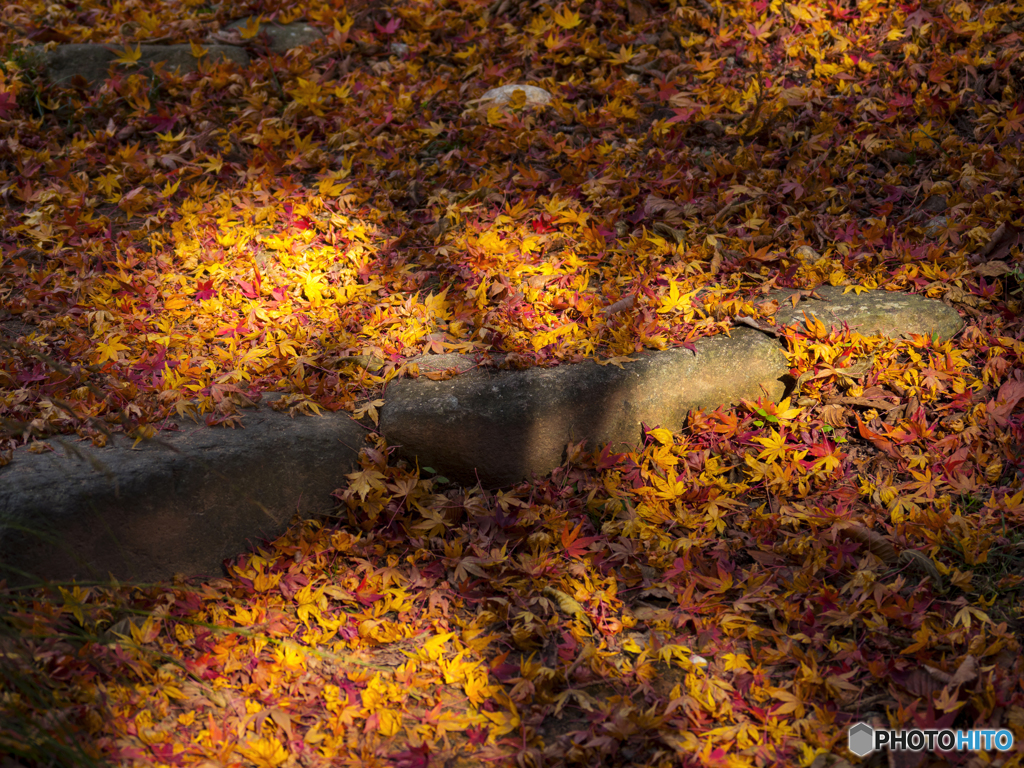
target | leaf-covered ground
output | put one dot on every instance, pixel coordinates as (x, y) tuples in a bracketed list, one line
[(734, 594)]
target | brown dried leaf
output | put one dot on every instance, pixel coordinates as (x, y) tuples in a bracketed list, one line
[(923, 563), (999, 244), (875, 543), (992, 269), (442, 375), (716, 263), (656, 206), (925, 682), (967, 672), (677, 236), (898, 759), (834, 415), (620, 306), (637, 11), (566, 604)]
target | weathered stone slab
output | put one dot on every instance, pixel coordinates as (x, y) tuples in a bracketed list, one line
[(504, 426), (153, 511), (180, 58), (93, 61), (283, 37), (65, 61), (872, 313)]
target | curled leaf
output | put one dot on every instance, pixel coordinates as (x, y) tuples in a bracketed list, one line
[(834, 415), (566, 604), (620, 306), (922, 563), (992, 269), (875, 543)]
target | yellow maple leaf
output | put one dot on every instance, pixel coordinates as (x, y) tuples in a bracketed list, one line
[(170, 136), (308, 94), (389, 722), (130, 56), (265, 753), (169, 189), (313, 288), (791, 703), (332, 186), (290, 655), (434, 129), (435, 645), (803, 14), (775, 446), (505, 722), (566, 604), (344, 26), (309, 603), (662, 435), (278, 243), (674, 300), (518, 99), (739, 662), (567, 19), (495, 116), (630, 645), (477, 690), (213, 164), (109, 349), (368, 409), (144, 432), (108, 184), (251, 28), (624, 56), (365, 481), (434, 522), (783, 412), (147, 633)]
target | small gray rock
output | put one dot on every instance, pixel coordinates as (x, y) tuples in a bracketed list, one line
[(535, 97), (935, 226)]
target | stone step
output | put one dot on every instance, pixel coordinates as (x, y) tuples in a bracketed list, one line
[(92, 60), (200, 495), (501, 426), (180, 503)]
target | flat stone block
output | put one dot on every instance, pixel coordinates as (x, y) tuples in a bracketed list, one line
[(282, 37), (502, 426), (149, 512), (93, 61), (872, 313), (65, 61), (179, 57)]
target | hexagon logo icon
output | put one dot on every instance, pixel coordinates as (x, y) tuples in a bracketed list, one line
[(861, 739)]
